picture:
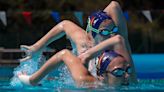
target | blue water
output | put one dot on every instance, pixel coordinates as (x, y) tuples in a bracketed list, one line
[(149, 69), (149, 66), (144, 85)]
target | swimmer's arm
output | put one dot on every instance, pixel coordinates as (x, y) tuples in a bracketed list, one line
[(115, 12), (101, 47), (98, 49)]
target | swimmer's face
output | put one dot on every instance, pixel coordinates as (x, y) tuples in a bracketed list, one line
[(120, 72), (107, 24)]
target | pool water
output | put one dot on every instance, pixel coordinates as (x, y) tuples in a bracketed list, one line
[(144, 85), (149, 69)]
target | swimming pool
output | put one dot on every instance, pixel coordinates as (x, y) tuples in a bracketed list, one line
[(149, 69)]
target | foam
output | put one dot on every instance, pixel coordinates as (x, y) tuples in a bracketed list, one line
[(32, 65), (29, 67)]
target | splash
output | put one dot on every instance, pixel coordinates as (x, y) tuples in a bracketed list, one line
[(29, 67), (60, 78), (61, 75)]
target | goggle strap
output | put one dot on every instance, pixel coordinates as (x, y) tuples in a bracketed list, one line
[(88, 29), (95, 30)]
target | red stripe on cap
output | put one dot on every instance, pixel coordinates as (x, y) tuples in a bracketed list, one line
[(92, 20)]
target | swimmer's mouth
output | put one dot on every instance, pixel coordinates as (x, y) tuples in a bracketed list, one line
[(125, 82)]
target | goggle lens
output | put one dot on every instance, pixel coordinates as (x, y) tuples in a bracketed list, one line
[(103, 32), (119, 72)]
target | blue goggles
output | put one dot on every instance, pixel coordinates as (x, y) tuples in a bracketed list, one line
[(105, 32), (119, 72)]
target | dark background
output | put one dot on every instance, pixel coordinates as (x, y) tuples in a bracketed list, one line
[(144, 37)]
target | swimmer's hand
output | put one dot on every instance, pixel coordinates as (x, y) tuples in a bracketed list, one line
[(28, 53), (24, 78), (24, 59), (84, 57)]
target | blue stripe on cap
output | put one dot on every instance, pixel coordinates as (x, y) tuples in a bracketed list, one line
[(106, 60), (104, 65), (97, 18)]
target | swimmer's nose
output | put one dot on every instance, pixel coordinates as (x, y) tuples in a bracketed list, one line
[(126, 75), (126, 79)]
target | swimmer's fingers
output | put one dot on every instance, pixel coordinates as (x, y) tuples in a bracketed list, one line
[(83, 57), (22, 73), (28, 53), (24, 47), (25, 79), (25, 59)]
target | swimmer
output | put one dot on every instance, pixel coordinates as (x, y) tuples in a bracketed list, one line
[(79, 39), (112, 68), (85, 40)]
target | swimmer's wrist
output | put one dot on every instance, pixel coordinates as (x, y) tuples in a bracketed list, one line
[(89, 53)]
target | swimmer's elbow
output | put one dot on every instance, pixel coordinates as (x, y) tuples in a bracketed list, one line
[(66, 22), (119, 39), (114, 4)]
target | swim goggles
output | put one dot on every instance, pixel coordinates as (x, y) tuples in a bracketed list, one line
[(104, 61), (119, 72), (104, 32)]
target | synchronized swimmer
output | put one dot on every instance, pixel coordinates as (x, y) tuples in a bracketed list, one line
[(103, 46)]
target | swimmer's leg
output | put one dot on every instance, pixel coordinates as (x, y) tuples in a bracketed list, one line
[(43, 42), (75, 66), (65, 27)]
